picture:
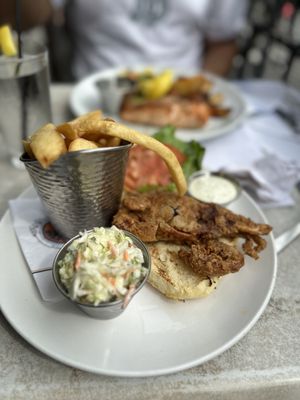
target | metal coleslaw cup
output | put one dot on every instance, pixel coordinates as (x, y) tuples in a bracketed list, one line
[(109, 309), (81, 189)]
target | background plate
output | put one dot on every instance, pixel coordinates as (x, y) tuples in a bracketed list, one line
[(154, 336), (86, 97)]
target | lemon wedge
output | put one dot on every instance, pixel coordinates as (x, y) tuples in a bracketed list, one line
[(7, 43), (158, 86)]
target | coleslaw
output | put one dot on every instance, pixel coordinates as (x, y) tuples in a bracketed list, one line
[(102, 265)]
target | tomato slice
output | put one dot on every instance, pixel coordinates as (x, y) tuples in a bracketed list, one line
[(146, 168)]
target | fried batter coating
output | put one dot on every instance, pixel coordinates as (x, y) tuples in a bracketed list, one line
[(212, 258), (166, 216)]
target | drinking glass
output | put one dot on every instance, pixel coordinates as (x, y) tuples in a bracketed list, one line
[(24, 97)]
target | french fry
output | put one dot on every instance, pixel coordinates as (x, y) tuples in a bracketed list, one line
[(76, 128), (68, 142), (27, 148), (113, 141), (47, 145), (82, 127), (90, 131), (109, 141), (102, 142), (94, 136), (82, 144), (111, 128)]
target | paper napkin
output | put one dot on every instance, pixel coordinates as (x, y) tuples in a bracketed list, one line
[(31, 225), (269, 179), (263, 153)]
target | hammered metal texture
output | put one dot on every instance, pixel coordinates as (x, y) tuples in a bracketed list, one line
[(82, 189)]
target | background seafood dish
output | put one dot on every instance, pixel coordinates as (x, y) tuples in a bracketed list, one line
[(161, 99)]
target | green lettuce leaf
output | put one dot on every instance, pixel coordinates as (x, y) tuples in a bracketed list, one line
[(193, 150), (170, 187)]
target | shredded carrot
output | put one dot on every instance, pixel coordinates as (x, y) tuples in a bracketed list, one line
[(112, 249), (113, 252), (77, 261), (112, 280), (125, 255)]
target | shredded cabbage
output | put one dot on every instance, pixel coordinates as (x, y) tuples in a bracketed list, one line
[(101, 266)]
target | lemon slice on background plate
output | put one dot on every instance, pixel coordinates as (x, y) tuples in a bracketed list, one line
[(7, 44), (158, 86)]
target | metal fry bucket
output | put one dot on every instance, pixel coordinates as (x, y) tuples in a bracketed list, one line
[(81, 189)]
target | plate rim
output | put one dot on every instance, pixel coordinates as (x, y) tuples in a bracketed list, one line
[(214, 133), (6, 219)]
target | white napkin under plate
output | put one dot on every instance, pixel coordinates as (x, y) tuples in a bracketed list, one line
[(29, 218)]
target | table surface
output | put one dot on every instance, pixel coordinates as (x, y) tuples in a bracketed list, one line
[(265, 364)]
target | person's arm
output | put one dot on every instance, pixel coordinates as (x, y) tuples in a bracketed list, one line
[(218, 56), (33, 12)]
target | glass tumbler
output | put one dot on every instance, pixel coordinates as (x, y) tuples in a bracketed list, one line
[(24, 97)]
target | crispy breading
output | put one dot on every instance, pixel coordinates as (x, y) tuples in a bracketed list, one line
[(192, 244), (212, 258), (183, 219)]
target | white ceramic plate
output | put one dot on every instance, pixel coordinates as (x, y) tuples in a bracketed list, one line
[(86, 97), (154, 336)]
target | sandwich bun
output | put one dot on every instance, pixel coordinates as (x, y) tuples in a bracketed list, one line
[(171, 276)]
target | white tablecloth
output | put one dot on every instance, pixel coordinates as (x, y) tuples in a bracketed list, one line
[(263, 133)]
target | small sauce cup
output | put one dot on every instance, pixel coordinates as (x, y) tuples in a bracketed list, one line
[(109, 309), (213, 187), (112, 91)]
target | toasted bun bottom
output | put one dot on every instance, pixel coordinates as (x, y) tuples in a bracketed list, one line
[(172, 277)]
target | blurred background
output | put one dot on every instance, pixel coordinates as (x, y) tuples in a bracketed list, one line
[(269, 45)]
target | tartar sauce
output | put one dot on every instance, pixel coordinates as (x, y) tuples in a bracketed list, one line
[(212, 189)]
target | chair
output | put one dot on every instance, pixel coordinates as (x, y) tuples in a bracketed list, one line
[(270, 43)]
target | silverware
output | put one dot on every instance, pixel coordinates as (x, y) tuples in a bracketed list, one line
[(289, 117), (287, 237)]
